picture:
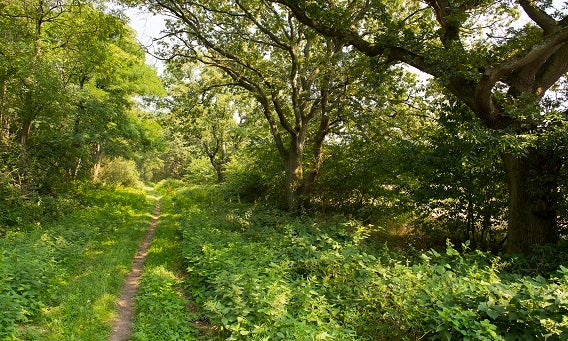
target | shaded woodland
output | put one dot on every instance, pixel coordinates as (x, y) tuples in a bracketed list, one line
[(333, 163)]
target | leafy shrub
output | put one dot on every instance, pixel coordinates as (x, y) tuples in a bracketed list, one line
[(543, 259), (168, 186), (37, 262), (91, 196), (455, 296), (31, 211), (200, 171), (22, 278), (120, 172), (257, 175), (259, 273)]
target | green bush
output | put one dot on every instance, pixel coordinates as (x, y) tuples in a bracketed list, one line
[(168, 186), (260, 273), (41, 264), (256, 175), (158, 297), (455, 296), (22, 279), (120, 172)]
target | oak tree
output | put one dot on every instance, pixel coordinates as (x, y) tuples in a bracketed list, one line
[(502, 70), (297, 77)]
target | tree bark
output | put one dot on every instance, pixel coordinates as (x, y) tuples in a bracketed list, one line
[(76, 168), (26, 127), (533, 186), (217, 157), (4, 119), (98, 154), (219, 167), (294, 175)]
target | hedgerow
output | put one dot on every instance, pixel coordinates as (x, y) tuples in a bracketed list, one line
[(262, 274)]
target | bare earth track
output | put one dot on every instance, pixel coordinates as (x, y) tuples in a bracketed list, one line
[(122, 326)]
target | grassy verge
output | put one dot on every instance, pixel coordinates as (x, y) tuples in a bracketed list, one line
[(60, 281), (161, 306)]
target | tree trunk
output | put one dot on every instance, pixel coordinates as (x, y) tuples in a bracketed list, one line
[(5, 134), (76, 168), (24, 158), (98, 160), (294, 175), (4, 119), (470, 228), (220, 174), (318, 142), (219, 167), (532, 181), (26, 128)]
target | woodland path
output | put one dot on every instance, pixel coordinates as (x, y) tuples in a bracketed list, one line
[(122, 325)]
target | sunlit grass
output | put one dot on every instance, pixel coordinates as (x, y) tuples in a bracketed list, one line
[(89, 253), (161, 304)]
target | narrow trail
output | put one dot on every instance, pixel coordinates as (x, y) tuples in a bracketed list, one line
[(122, 325)]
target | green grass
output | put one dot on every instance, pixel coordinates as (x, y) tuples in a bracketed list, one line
[(61, 280), (161, 305)]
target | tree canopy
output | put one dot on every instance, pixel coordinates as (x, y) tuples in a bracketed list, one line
[(505, 62), (452, 113), (69, 72)]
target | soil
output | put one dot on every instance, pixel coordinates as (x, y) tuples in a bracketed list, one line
[(122, 326)]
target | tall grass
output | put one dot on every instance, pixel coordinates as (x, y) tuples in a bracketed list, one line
[(161, 304)]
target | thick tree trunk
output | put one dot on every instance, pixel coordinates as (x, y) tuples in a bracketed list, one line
[(532, 181), (218, 161), (219, 167), (220, 174), (294, 176)]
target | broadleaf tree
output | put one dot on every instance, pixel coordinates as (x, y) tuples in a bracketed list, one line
[(503, 70), (68, 74), (299, 78), (207, 113)]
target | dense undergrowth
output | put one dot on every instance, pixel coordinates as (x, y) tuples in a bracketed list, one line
[(261, 274), (221, 269), (60, 274)]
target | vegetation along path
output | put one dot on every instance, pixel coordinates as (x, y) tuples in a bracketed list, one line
[(122, 327)]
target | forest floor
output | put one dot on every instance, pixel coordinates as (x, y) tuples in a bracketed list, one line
[(125, 264), (122, 326)]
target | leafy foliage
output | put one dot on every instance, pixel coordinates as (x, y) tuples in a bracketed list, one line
[(66, 91), (258, 272), (59, 279), (120, 172)]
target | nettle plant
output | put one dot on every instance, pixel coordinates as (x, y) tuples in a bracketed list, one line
[(453, 295), (257, 272)]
